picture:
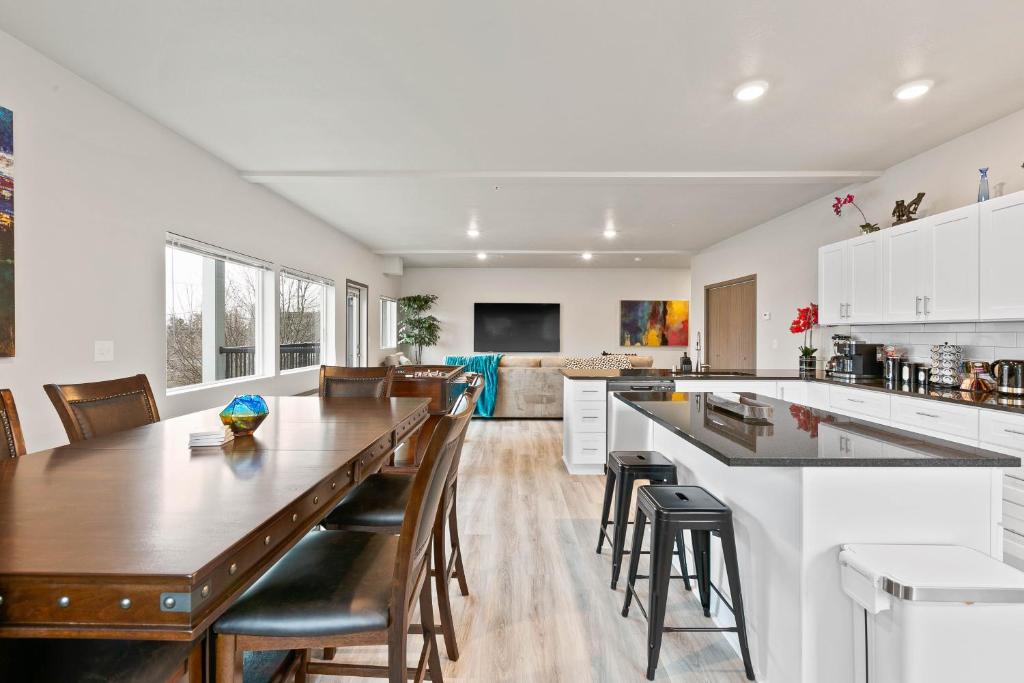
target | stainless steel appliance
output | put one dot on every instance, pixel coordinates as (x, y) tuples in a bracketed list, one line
[(1009, 376), (855, 359), (640, 384)]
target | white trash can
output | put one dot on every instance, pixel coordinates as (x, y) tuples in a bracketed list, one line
[(933, 614)]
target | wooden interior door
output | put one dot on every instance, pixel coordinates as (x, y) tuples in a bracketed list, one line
[(730, 324)]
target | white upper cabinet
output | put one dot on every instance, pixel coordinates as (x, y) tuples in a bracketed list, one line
[(950, 275), (831, 284), (960, 265), (864, 279), (1002, 244), (849, 281), (902, 268), (931, 268)]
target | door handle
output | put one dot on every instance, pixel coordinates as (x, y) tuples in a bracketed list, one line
[(918, 412), (917, 305), (926, 299)]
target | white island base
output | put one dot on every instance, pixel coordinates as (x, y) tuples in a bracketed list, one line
[(790, 523)]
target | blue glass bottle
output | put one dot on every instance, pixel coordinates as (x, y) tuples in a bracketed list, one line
[(983, 185)]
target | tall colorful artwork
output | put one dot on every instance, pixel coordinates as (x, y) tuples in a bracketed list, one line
[(6, 232), (655, 323)]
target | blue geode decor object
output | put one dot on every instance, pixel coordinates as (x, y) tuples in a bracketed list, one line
[(244, 414)]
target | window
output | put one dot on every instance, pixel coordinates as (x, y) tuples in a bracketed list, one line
[(388, 323), (304, 316), (214, 313)]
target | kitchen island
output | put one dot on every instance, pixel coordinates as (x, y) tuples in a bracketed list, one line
[(801, 484)]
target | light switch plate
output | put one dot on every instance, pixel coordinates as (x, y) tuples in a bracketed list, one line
[(766, 315), (103, 351)]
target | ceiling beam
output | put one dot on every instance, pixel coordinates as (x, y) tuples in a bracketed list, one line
[(697, 176), (576, 252)]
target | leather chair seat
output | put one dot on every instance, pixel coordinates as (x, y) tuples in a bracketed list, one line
[(34, 660), (379, 501), (331, 583)]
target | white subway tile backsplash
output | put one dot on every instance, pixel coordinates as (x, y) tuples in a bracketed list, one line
[(1007, 326), (1008, 353), (986, 338), (986, 341)]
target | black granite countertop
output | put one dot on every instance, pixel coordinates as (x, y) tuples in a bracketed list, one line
[(988, 399), (661, 373), (799, 436)]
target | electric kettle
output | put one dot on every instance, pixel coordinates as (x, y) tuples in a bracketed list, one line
[(1009, 376)]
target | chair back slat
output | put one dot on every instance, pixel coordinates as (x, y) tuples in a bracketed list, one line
[(12, 441), (96, 408), (336, 381)]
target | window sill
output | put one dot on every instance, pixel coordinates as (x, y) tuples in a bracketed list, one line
[(299, 371), (192, 388)]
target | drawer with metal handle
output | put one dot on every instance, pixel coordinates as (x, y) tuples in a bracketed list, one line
[(859, 402), (957, 423)]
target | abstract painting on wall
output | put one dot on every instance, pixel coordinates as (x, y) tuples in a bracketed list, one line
[(6, 232), (655, 323)]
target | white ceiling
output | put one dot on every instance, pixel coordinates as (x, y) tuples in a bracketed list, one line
[(397, 121)]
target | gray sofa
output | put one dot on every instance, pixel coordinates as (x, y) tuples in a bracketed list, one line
[(531, 386)]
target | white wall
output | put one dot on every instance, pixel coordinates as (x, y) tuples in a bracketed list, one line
[(97, 184), (589, 299), (783, 251)]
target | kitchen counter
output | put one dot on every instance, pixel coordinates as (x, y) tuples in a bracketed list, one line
[(661, 373), (793, 437), (990, 399), (798, 489)]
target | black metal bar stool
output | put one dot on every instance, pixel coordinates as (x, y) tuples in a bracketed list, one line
[(622, 470), (671, 509)]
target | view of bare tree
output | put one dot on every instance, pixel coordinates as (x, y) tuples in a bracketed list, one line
[(301, 302), (185, 338)]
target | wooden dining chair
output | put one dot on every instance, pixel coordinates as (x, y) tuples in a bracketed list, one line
[(97, 408), (355, 382), (378, 505), (13, 443), (338, 589)]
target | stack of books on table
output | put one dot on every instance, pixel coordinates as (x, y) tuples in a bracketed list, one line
[(217, 437)]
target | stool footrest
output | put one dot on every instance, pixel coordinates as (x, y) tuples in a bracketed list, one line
[(700, 629)]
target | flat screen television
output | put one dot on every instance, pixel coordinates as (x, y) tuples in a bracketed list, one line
[(516, 327)]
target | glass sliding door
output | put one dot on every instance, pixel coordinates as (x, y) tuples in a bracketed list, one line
[(355, 324)]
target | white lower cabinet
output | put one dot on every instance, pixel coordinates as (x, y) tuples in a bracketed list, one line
[(946, 421), (584, 423), (764, 387), (794, 392), (869, 405)]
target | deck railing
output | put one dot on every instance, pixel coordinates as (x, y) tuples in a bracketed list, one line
[(240, 361)]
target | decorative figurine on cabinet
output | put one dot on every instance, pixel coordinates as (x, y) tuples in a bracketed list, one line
[(904, 212)]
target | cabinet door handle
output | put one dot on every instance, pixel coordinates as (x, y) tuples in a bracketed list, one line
[(917, 305), (589, 417), (926, 414), (854, 400), (1014, 431), (926, 300)]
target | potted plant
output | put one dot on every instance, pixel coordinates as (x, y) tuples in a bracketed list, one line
[(805, 322), (415, 326), (837, 207)]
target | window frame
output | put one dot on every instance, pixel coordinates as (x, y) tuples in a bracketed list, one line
[(392, 334), (262, 360), (327, 326)]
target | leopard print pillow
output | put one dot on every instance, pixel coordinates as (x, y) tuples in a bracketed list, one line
[(614, 362)]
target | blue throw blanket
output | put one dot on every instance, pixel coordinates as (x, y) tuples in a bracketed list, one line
[(486, 365)]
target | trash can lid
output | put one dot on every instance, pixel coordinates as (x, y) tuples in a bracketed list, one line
[(935, 573)]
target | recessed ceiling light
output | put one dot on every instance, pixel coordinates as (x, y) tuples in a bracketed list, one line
[(609, 230), (586, 256), (481, 255), (637, 258), (912, 90), (750, 91), (473, 230)]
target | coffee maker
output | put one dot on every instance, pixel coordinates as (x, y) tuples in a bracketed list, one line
[(854, 359)]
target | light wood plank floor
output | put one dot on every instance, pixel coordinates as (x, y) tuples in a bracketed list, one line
[(540, 609)]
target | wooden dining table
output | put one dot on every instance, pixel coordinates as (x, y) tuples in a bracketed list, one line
[(136, 536)]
